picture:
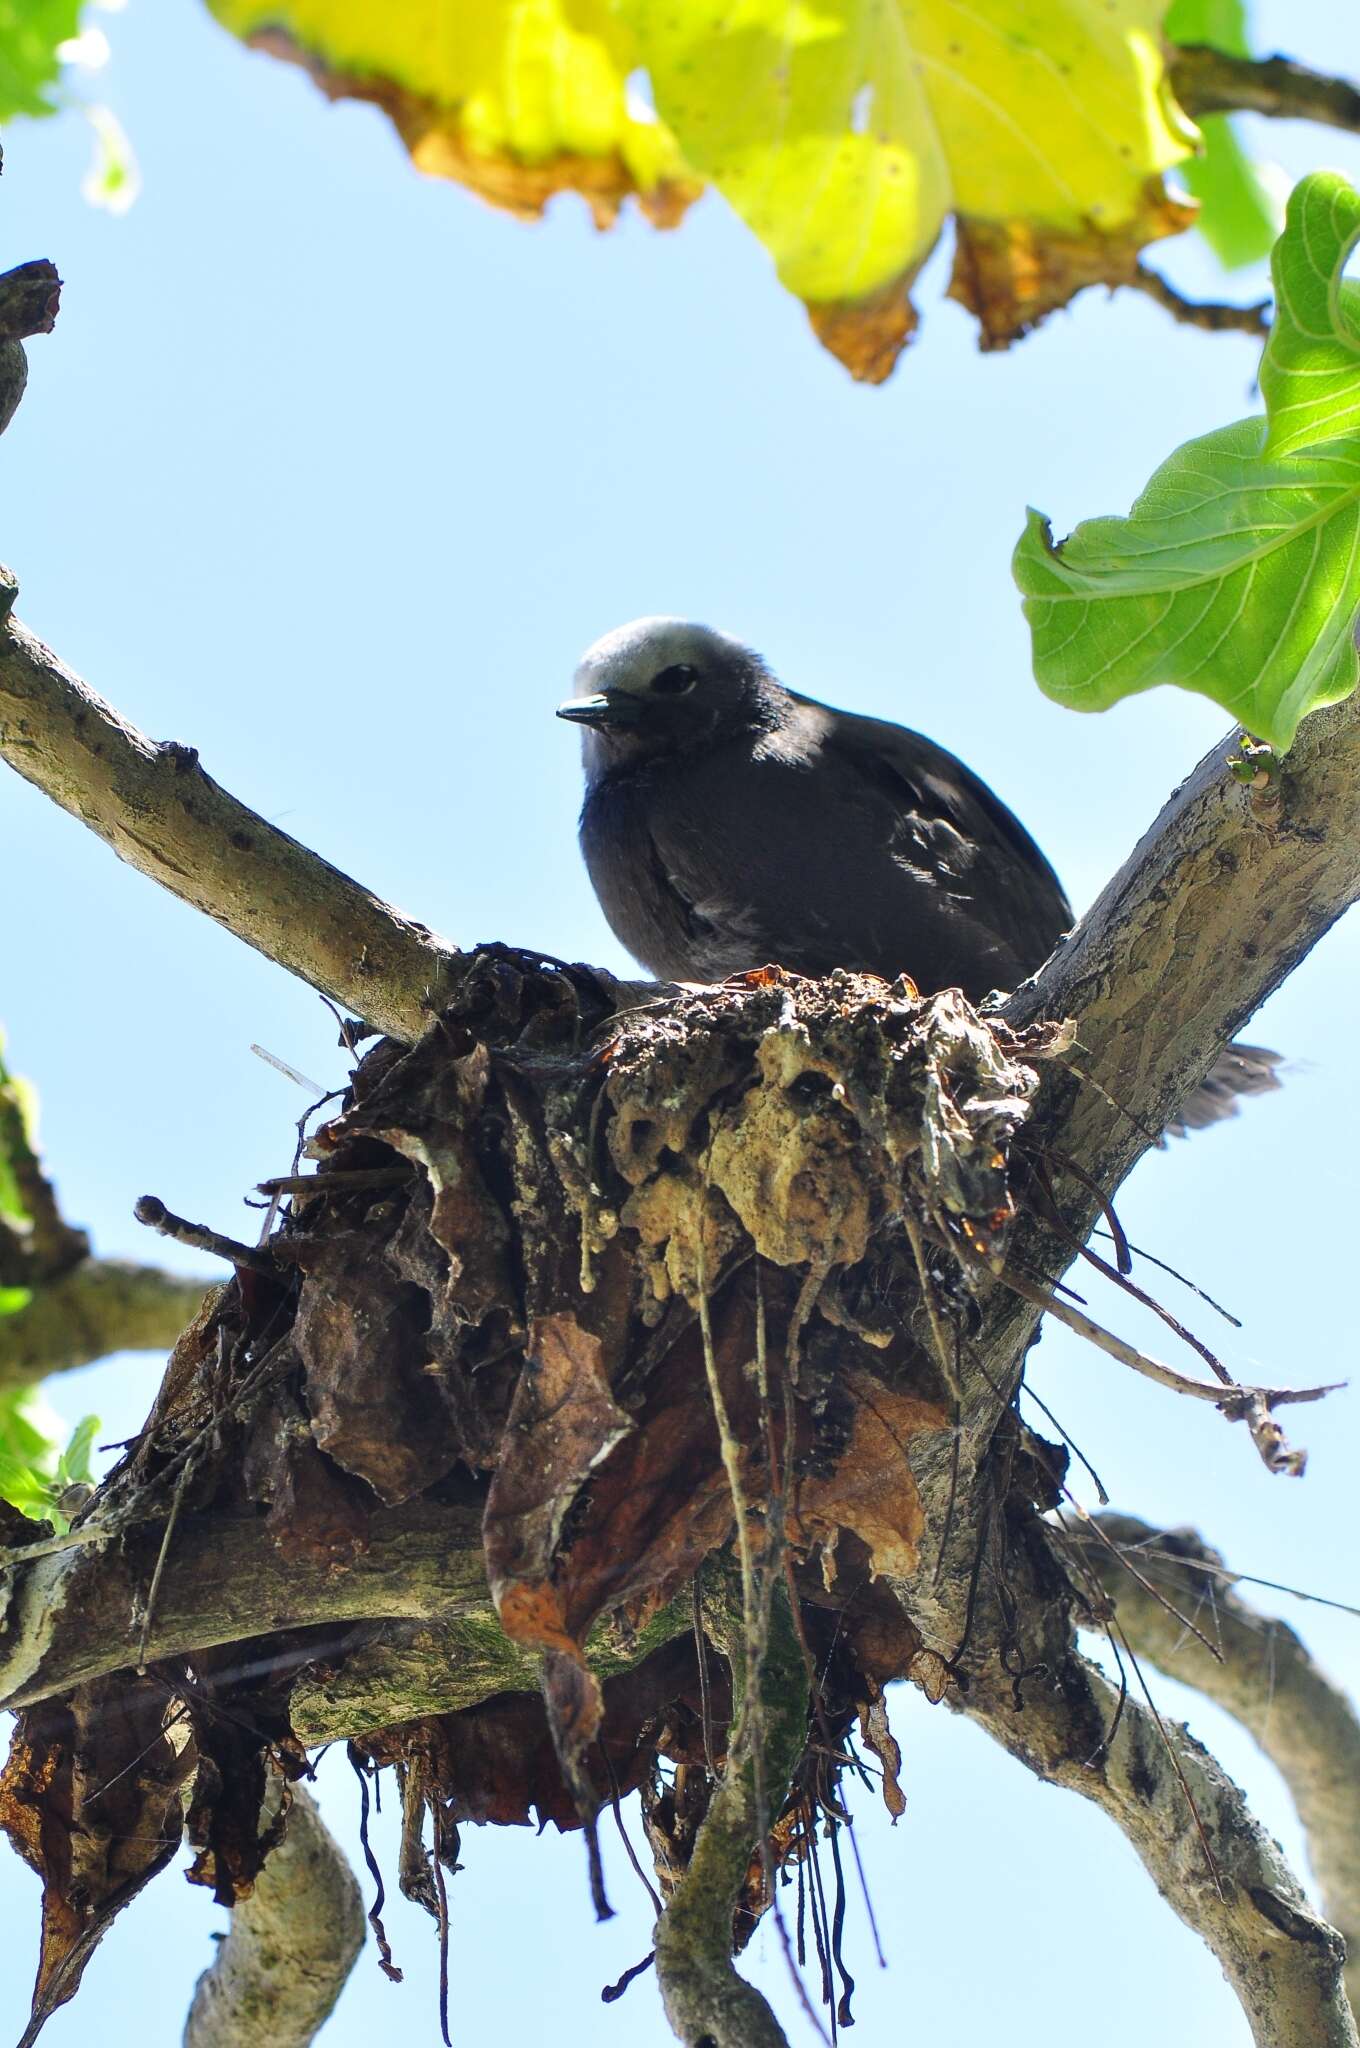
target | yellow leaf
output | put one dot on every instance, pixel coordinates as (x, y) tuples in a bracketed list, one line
[(845, 133), (518, 99)]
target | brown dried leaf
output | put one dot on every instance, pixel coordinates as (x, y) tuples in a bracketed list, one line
[(376, 1406), (1011, 273), (564, 1421), (90, 1799), (878, 1736), (872, 1491)]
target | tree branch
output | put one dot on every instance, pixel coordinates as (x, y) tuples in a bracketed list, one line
[(1215, 316), (1208, 81), (1282, 1961), (292, 1944), (160, 812), (101, 1306), (1218, 903), (76, 1613), (1266, 1680)]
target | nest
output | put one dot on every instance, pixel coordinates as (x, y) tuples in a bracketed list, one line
[(540, 1249)]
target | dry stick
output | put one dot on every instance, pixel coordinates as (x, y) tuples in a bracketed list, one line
[(1227, 1398), (151, 1210), (154, 1588), (942, 1350), (1093, 1525), (341, 1180), (1121, 1278), (1184, 1279), (1236, 1578), (1122, 1249), (375, 1921), (1176, 1763), (441, 1892), (159, 811), (701, 1656), (1215, 316)]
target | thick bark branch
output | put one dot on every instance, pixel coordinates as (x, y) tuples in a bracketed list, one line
[(1282, 1961), (77, 1613), (1266, 1680), (292, 1943), (1208, 81), (101, 1306), (1220, 900), (160, 812)]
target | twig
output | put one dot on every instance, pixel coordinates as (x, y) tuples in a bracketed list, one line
[(441, 1893), (1092, 1523), (342, 1180), (151, 1210), (385, 1963), (942, 1350), (1209, 81), (1162, 1267), (153, 1589), (615, 1991), (1207, 1568), (1215, 316), (1233, 1400), (701, 1656)]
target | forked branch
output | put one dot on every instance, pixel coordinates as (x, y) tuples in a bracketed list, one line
[(1264, 1677)]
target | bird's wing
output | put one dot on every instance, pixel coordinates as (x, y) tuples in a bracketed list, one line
[(954, 825)]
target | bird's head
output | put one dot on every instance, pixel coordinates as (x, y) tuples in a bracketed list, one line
[(664, 686)]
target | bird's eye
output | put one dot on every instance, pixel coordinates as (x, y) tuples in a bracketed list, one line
[(673, 682)]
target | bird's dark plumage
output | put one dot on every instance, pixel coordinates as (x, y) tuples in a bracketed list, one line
[(730, 823)]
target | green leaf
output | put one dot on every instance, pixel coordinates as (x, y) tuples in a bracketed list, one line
[(1310, 373), (33, 1470), (73, 1466), (12, 1299), (28, 1451), (1240, 213), (1237, 572), (30, 31), (1222, 24), (1239, 206)]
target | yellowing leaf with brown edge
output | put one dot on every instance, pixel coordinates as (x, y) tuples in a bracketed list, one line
[(845, 133), (518, 99)]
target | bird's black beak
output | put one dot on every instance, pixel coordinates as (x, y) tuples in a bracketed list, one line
[(605, 709)]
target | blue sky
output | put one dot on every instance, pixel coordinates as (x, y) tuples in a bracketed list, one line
[(332, 472)]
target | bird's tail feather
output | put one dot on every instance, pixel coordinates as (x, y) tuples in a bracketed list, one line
[(1239, 1070)]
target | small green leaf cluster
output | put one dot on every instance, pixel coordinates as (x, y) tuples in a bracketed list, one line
[(35, 1473), (1241, 207), (30, 34), (1237, 571)]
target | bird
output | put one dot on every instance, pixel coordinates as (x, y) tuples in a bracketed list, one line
[(730, 823)]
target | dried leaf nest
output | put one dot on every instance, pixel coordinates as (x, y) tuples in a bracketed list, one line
[(595, 1196)]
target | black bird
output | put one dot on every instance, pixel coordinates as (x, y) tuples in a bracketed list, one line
[(729, 822)]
